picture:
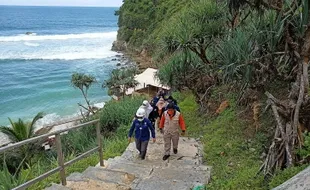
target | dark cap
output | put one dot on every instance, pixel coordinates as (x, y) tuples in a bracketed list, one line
[(170, 105)]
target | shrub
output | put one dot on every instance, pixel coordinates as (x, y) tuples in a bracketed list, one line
[(116, 113)]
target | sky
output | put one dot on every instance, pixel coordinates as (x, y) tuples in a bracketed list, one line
[(95, 3)]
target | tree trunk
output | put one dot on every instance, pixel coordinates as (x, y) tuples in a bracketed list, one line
[(201, 54), (87, 102), (291, 134)]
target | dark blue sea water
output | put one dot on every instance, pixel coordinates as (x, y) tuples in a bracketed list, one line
[(35, 68)]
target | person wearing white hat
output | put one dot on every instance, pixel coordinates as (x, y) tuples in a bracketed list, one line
[(147, 107), (142, 127)]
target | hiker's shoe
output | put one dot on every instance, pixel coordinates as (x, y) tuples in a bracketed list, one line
[(175, 151), (166, 157)]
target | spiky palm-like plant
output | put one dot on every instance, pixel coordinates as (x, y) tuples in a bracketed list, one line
[(120, 80), (195, 29), (21, 130), (83, 82)]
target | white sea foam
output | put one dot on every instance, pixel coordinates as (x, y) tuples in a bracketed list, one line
[(56, 37), (76, 56), (57, 47), (31, 44), (100, 53)]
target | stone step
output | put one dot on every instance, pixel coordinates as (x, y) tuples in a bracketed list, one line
[(182, 174), (150, 184), (155, 153), (181, 171), (169, 178), (57, 187), (174, 161), (139, 170), (78, 181), (107, 175), (300, 181)]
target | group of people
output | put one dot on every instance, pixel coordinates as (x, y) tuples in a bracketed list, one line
[(160, 114)]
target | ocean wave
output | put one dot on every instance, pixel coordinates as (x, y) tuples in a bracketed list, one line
[(53, 118), (31, 44), (64, 56), (57, 37)]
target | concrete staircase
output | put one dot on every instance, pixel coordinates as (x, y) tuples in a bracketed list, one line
[(181, 171)]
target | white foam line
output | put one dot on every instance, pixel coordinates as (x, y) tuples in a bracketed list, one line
[(57, 37)]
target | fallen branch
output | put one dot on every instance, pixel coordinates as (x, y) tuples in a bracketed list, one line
[(275, 100), (201, 99), (284, 136)]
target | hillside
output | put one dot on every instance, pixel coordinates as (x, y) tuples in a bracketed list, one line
[(248, 57)]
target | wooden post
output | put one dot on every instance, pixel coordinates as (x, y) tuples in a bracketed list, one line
[(99, 143), (60, 158)]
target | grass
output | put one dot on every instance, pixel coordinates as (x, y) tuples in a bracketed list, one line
[(117, 113), (112, 146), (284, 175), (233, 154), (115, 120), (234, 158)]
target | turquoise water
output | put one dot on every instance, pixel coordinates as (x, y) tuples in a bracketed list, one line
[(35, 69)]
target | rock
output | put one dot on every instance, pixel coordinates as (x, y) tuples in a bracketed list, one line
[(114, 59), (119, 46), (57, 187), (118, 64)]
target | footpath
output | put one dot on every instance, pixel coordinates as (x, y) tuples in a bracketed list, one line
[(182, 171)]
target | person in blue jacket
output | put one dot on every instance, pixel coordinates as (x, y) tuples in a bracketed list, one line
[(142, 127)]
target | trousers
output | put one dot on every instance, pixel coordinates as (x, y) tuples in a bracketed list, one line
[(168, 137), (141, 147)]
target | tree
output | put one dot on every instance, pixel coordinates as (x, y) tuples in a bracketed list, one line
[(195, 29), (83, 82), (20, 130), (120, 81), (186, 69)]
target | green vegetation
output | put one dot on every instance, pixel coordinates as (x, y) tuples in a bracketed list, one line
[(83, 82), (121, 80), (113, 145), (9, 181), (305, 152), (232, 153), (20, 130), (256, 51), (140, 20), (115, 119), (119, 113)]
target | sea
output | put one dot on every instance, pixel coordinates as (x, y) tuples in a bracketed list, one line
[(41, 47)]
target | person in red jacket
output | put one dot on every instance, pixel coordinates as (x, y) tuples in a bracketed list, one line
[(170, 123)]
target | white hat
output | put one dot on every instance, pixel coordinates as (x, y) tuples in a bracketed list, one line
[(140, 112), (145, 103)]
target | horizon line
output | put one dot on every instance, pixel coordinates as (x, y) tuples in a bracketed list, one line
[(93, 6)]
